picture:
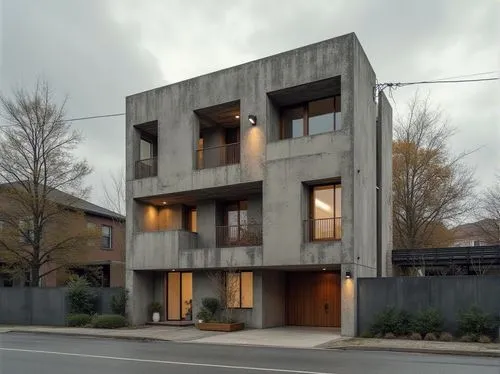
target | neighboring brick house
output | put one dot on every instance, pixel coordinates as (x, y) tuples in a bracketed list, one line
[(476, 234), (105, 262)]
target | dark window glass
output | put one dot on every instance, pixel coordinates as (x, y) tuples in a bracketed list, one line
[(293, 122)]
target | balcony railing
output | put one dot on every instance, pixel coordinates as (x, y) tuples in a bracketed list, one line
[(239, 236), (322, 229), (146, 168), (212, 157)]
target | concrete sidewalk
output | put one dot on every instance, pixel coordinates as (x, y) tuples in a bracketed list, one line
[(412, 346), (170, 333), (288, 337)]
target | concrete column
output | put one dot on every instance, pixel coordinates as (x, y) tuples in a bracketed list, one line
[(349, 306), (206, 216), (140, 287)]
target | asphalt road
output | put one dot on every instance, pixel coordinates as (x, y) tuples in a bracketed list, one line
[(34, 353)]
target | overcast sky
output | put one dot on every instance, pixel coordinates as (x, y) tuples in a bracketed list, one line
[(99, 51)]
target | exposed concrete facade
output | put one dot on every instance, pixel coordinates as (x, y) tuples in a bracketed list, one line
[(274, 175)]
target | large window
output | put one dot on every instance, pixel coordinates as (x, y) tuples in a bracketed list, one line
[(106, 237), (326, 212), (314, 117), (239, 289)]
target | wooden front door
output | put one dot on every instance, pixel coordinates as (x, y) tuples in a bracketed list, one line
[(313, 299)]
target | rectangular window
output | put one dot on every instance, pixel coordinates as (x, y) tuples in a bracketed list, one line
[(326, 212), (27, 232), (192, 220), (106, 237), (239, 289), (314, 117)]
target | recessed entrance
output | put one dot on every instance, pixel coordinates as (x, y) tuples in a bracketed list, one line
[(178, 296), (313, 299)]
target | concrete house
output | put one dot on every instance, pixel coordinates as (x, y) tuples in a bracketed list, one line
[(279, 168)]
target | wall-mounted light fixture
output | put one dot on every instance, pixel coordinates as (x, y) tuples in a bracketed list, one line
[(252, 119), (348, 274)]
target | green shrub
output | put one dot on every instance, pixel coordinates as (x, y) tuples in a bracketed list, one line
[(367, 335), (119, 302), (445, 337), (78, 320), (81, 297), (391, 320), (155, 307), (484, 339), (428, 321), (209, 308), (109, 321), (475, 322), (389, 335), (468, 338), (430, 336), (415, 336)]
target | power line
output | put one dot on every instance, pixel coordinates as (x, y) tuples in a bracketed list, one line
[(85, 118), (468, 75), (382, 86)]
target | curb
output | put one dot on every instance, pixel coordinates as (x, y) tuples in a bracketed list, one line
[(85, 335), (419, 350)]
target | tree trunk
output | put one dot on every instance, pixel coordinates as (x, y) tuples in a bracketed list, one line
[(35, 276)]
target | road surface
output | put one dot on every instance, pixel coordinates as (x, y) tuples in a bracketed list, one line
[(35, 353)]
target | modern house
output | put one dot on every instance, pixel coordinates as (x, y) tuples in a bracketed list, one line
[(101, 260), (280, 169)]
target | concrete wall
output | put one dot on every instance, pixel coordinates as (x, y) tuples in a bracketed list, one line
[(43, 306), (273, 298), (449, 295)]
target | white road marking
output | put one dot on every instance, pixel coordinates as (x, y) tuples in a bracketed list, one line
[(164, 362)]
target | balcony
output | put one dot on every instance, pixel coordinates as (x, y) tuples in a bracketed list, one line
[(212, 157), (239, 236), (324, 229), (160, 249), (146, 168)]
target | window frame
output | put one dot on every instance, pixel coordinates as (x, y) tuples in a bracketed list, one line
[(240, 289), (305, 116), (312, 218), (110, 237)]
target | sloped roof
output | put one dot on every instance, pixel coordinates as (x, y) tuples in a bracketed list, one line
[(64, 198)]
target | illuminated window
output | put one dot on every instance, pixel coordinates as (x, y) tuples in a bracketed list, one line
[(239, 289), (326, 212)]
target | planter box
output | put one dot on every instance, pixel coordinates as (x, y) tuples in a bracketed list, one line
[(224, 327)]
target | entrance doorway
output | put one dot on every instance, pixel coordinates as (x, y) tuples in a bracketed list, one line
[(178, 296), (313, 299)]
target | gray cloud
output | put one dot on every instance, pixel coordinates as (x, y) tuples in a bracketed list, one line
[(100, 51)]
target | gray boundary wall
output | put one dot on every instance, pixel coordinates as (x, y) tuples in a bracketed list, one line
[(43, 306), (449, 295)]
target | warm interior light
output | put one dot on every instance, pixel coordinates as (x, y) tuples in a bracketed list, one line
[(173, 269), (237, 116), (164, 203), (323, 206), (324, 269), (252, 119)]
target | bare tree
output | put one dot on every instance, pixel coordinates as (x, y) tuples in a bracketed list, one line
[(114, 193), (431, 186), (226, 284), (43, 231), (488, 215)]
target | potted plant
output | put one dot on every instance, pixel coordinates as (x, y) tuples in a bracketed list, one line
[(155, 310)]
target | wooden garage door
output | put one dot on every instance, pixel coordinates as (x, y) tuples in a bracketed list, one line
[(313, 299)]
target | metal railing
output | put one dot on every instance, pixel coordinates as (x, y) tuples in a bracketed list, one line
[(322, 229), (212, 157), (238, 236), (146, 168)]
